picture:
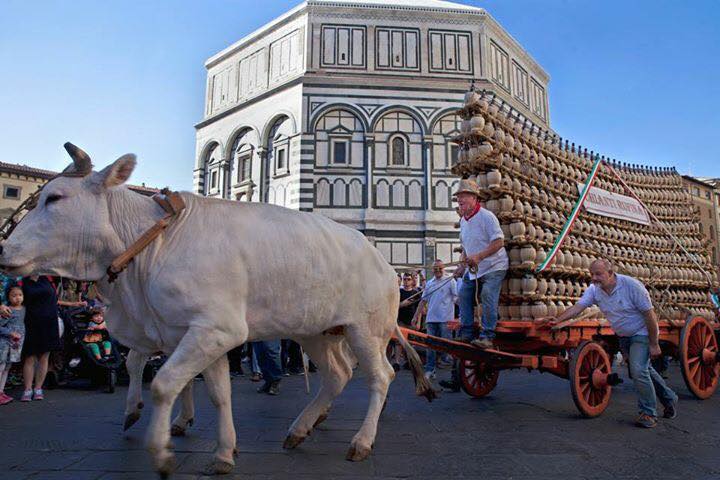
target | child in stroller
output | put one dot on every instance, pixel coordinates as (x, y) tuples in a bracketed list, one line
[(97, 337)]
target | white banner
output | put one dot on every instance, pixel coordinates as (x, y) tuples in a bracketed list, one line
[(609, 204)]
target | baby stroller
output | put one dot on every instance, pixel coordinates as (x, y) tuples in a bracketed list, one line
[(80, 360)]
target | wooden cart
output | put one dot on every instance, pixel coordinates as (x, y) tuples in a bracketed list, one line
[(581, 353)]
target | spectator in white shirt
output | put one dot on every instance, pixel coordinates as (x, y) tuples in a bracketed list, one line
[(440, 295)]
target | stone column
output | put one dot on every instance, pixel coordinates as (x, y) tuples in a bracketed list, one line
[(369, 164), (427, 163), (226, 169), (262, 184)]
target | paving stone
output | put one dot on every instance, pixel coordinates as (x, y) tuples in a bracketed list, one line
[(527, 429), (52, 460)]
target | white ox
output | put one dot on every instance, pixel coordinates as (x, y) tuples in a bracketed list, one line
[(222, 274)]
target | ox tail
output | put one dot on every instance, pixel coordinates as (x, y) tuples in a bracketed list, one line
[(422, 385)]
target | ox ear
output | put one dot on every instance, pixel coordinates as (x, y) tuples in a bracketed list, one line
[(117, 173)]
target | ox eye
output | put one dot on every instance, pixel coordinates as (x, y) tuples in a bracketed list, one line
[(52, 198)]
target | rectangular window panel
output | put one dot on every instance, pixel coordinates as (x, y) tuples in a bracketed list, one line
[(340, 152), (358, 47), (383, 46), (411, 49), (397, 50), (499, 65), (280, 160), (450, 52), (12, 192), (537, 95), (436, 48), (454, 151), (328, 37), (464, 53), (343, 47), (520, 83)]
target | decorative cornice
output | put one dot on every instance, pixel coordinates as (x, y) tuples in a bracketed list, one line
[(392, 7)]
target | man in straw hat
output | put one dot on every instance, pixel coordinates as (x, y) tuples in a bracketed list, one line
[(486, 264)]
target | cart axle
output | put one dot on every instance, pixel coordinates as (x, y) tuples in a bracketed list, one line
[(614, 379)]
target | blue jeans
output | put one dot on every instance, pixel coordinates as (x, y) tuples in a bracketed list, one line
[(646, 380), (268, 357), (489, 285), (436, 329)]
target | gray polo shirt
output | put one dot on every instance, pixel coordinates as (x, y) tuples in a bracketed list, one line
[(624, 307)]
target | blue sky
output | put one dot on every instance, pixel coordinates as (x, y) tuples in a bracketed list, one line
[(636, 80)]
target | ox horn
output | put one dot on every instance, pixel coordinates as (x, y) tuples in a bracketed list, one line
[(81, 160)]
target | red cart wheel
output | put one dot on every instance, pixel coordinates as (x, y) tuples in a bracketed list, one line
[(698, 355), (477, 379), (589, 370)]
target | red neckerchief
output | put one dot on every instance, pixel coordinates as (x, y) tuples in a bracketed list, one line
[(477, 209)]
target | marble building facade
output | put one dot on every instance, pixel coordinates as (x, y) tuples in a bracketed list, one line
[(346, 108)]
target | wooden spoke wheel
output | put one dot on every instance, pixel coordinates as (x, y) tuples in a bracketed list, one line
[(699, 357), (590, 367), (477, 379)]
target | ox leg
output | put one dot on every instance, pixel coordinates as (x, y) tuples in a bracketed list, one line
[(370, 352), (135, 363), (335, 371), (199, 348), (186, 415), (217, 380)]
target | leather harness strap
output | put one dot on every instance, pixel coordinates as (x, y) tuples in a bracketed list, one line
[(173, 204)]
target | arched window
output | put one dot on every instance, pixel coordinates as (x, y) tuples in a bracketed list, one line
[(278, 146), (399, 151), (212, 171), (322, 193)]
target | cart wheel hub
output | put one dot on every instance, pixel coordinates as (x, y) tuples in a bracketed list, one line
[(709, 357), (599, 379)]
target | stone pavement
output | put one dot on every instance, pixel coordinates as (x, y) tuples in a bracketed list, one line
[(527, 428)]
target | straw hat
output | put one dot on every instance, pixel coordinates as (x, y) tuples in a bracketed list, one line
[(468, 186)]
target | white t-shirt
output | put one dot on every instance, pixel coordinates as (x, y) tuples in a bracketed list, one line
[(440, 296), (476, 234)]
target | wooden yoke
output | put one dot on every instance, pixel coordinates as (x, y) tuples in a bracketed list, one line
[(173, 204)]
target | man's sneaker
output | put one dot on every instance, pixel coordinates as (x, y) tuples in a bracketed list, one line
[(274, 388), (483, 343), (430, 374), (264, 388), (38, 394), (5, 399), (256, 377), (670, 410), (26, 396), (449, 386), (646, 421)]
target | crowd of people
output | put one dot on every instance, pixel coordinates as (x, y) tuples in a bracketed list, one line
[(34, 321)]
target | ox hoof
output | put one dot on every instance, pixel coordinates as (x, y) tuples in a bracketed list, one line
[(166, 467), (320, 419), (130, 420), (358, 453), (218, 467), (292, 441), (179, 430)]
